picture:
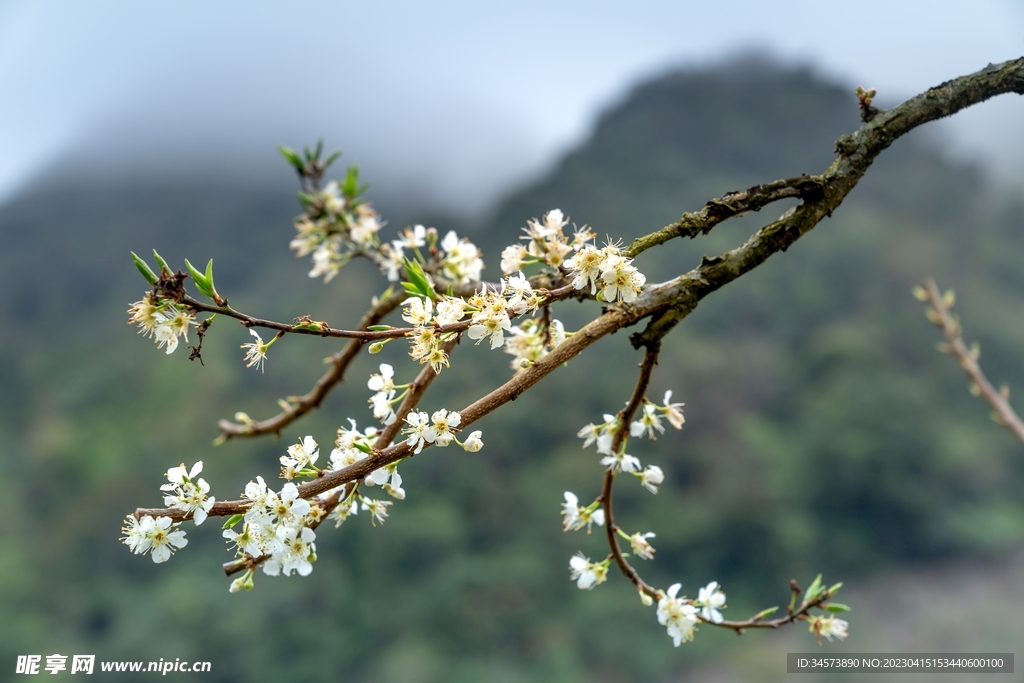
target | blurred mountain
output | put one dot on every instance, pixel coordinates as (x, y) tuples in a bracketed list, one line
[(823, 431)]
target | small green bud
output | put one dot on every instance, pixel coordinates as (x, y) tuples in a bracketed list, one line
[(836, 607), (376, 347), (202, 283), (144, 268), (232, 520), (292, 157), (160, 262)]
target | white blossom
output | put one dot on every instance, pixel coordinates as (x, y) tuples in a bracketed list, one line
[(444, 424), (512, 258), (649, 421), (417, 310), (450, 310), (585, 268), (299, 455), (830, 627), (473, 442), (621, 462), (412, 238), (641, 547), (188, 493), (576, 517), (651, 477), (621, 280), (673, 411), (159, 537), (256, 353), (344, 510), (378, 509), (383, 382), (677, 615), (585, 573), (419, 430), (709, 599)]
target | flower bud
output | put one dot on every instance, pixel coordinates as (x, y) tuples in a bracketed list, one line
[(376, 347), (473, 442)]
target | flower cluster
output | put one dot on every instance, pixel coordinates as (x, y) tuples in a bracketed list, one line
[(438, 429), (384, 399), (162, 319), (545, 243), (300, 459), (605, 269), (455, 258), (490, 317), (157, 536), (334, 228), (492, 312), (275, 525), (531, 340), (677, 614), (187, 493), (649, 422)]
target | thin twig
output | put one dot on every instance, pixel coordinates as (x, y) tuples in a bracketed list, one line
[(951, 330), (625, 416), (336, 373)]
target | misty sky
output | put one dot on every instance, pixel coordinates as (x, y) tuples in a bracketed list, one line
[(450, 102)]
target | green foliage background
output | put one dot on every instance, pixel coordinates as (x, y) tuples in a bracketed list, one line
[(823, 431)]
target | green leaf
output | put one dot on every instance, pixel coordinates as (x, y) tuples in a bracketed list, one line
[(363, 447), (293, 158), (202, 284), (765, 613), (350, 187), (213, 287), (379, 328), (835, 589), (418, 282), (232, 520), (331, 158), (319, 148), (144, 268), (814, 589), (160, 262), (836, 607)]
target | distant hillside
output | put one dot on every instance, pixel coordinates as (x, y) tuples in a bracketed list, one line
[(823, 431)]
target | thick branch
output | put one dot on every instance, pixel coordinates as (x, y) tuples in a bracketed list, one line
[(857, 151), (728, 206)]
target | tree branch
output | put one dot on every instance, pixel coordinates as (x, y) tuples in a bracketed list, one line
[(940, 316), (671, 301), (336, 374)]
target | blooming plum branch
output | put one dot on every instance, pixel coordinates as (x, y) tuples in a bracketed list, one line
[(436, 282)]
